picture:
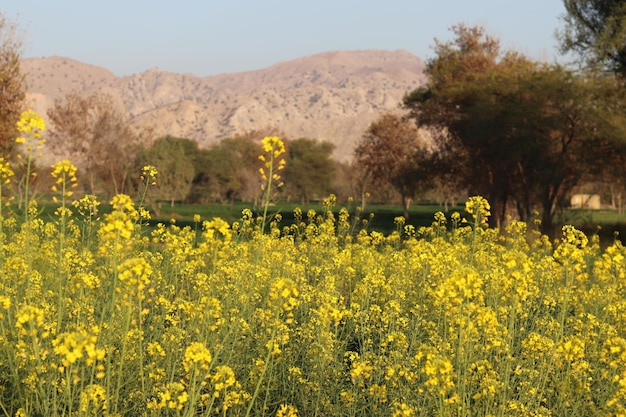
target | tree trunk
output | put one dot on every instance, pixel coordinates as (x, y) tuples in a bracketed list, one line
[(112, 174), (92, 186), (406, 203)]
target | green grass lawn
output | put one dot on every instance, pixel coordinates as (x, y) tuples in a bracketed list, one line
[(382, 220), (604, 222)]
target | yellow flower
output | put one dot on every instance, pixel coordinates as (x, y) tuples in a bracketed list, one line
[(223, 379), (284, 294), (172, 396), (287, 410), (30, 126), (135, 274), (30, 121), (93, 396), (29, 314), (273, 144), (571, 348), (217, 225), (65, 174), (479, 208), (197, 356), (403, 410), (88, 205), (361, 370), (149, 173), (119, 224), (73, 346), (5, 171)]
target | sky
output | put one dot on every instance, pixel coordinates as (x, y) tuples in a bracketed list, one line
[(208, 37)]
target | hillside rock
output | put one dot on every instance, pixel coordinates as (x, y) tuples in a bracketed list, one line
[(331, 96)]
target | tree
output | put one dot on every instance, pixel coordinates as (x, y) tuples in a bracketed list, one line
[(228, 170), (392, 152), (217, 175), (12, 84), (245, 150), (309, 169), (172, 158), (522, 133), (596, 31), (95, 132)]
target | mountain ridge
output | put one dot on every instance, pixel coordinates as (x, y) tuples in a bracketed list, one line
[(329, 96)]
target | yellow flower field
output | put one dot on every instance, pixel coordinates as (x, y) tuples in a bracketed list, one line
[(104, 316)]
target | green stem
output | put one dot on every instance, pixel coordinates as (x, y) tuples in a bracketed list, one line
[(268, 357), (268, 191), (61, 247)]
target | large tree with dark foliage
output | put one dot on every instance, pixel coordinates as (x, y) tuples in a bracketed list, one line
[(522, 134), (172, 158), (309, 169), (596, 31)]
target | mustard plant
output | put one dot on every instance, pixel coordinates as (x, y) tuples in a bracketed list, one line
[(226, 321), (30, 126), (273, 162)]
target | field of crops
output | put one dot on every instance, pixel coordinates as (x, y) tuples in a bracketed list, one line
[(107, 317), (105, 314)]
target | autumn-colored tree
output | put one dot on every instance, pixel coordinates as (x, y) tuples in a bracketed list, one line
[(393, 152), (12, 84), (94, 131)]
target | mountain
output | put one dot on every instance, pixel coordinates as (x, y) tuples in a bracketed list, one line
[(332, 96)]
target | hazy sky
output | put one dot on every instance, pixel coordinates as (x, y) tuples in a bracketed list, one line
[(206, 37)]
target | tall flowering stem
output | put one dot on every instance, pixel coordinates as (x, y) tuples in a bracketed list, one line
[(148, 179), (64, 173), (273, 148), (30, 127), (478, 207)]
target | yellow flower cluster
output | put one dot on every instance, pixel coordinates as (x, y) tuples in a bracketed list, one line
[(30, 126), (73, 346), (223, 379), (119, 225), (272, 161), (93, 398), (172, 396), (312, 319), (283, 293), (65, 174), (287, 410), (197, 357), (135, 274), (6, 172), (479, 208), (148, 174), (216, 225)]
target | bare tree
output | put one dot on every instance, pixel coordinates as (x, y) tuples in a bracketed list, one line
[(12, 83), (95, 132)]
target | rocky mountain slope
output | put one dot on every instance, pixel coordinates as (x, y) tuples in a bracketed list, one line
[(331, 96)]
